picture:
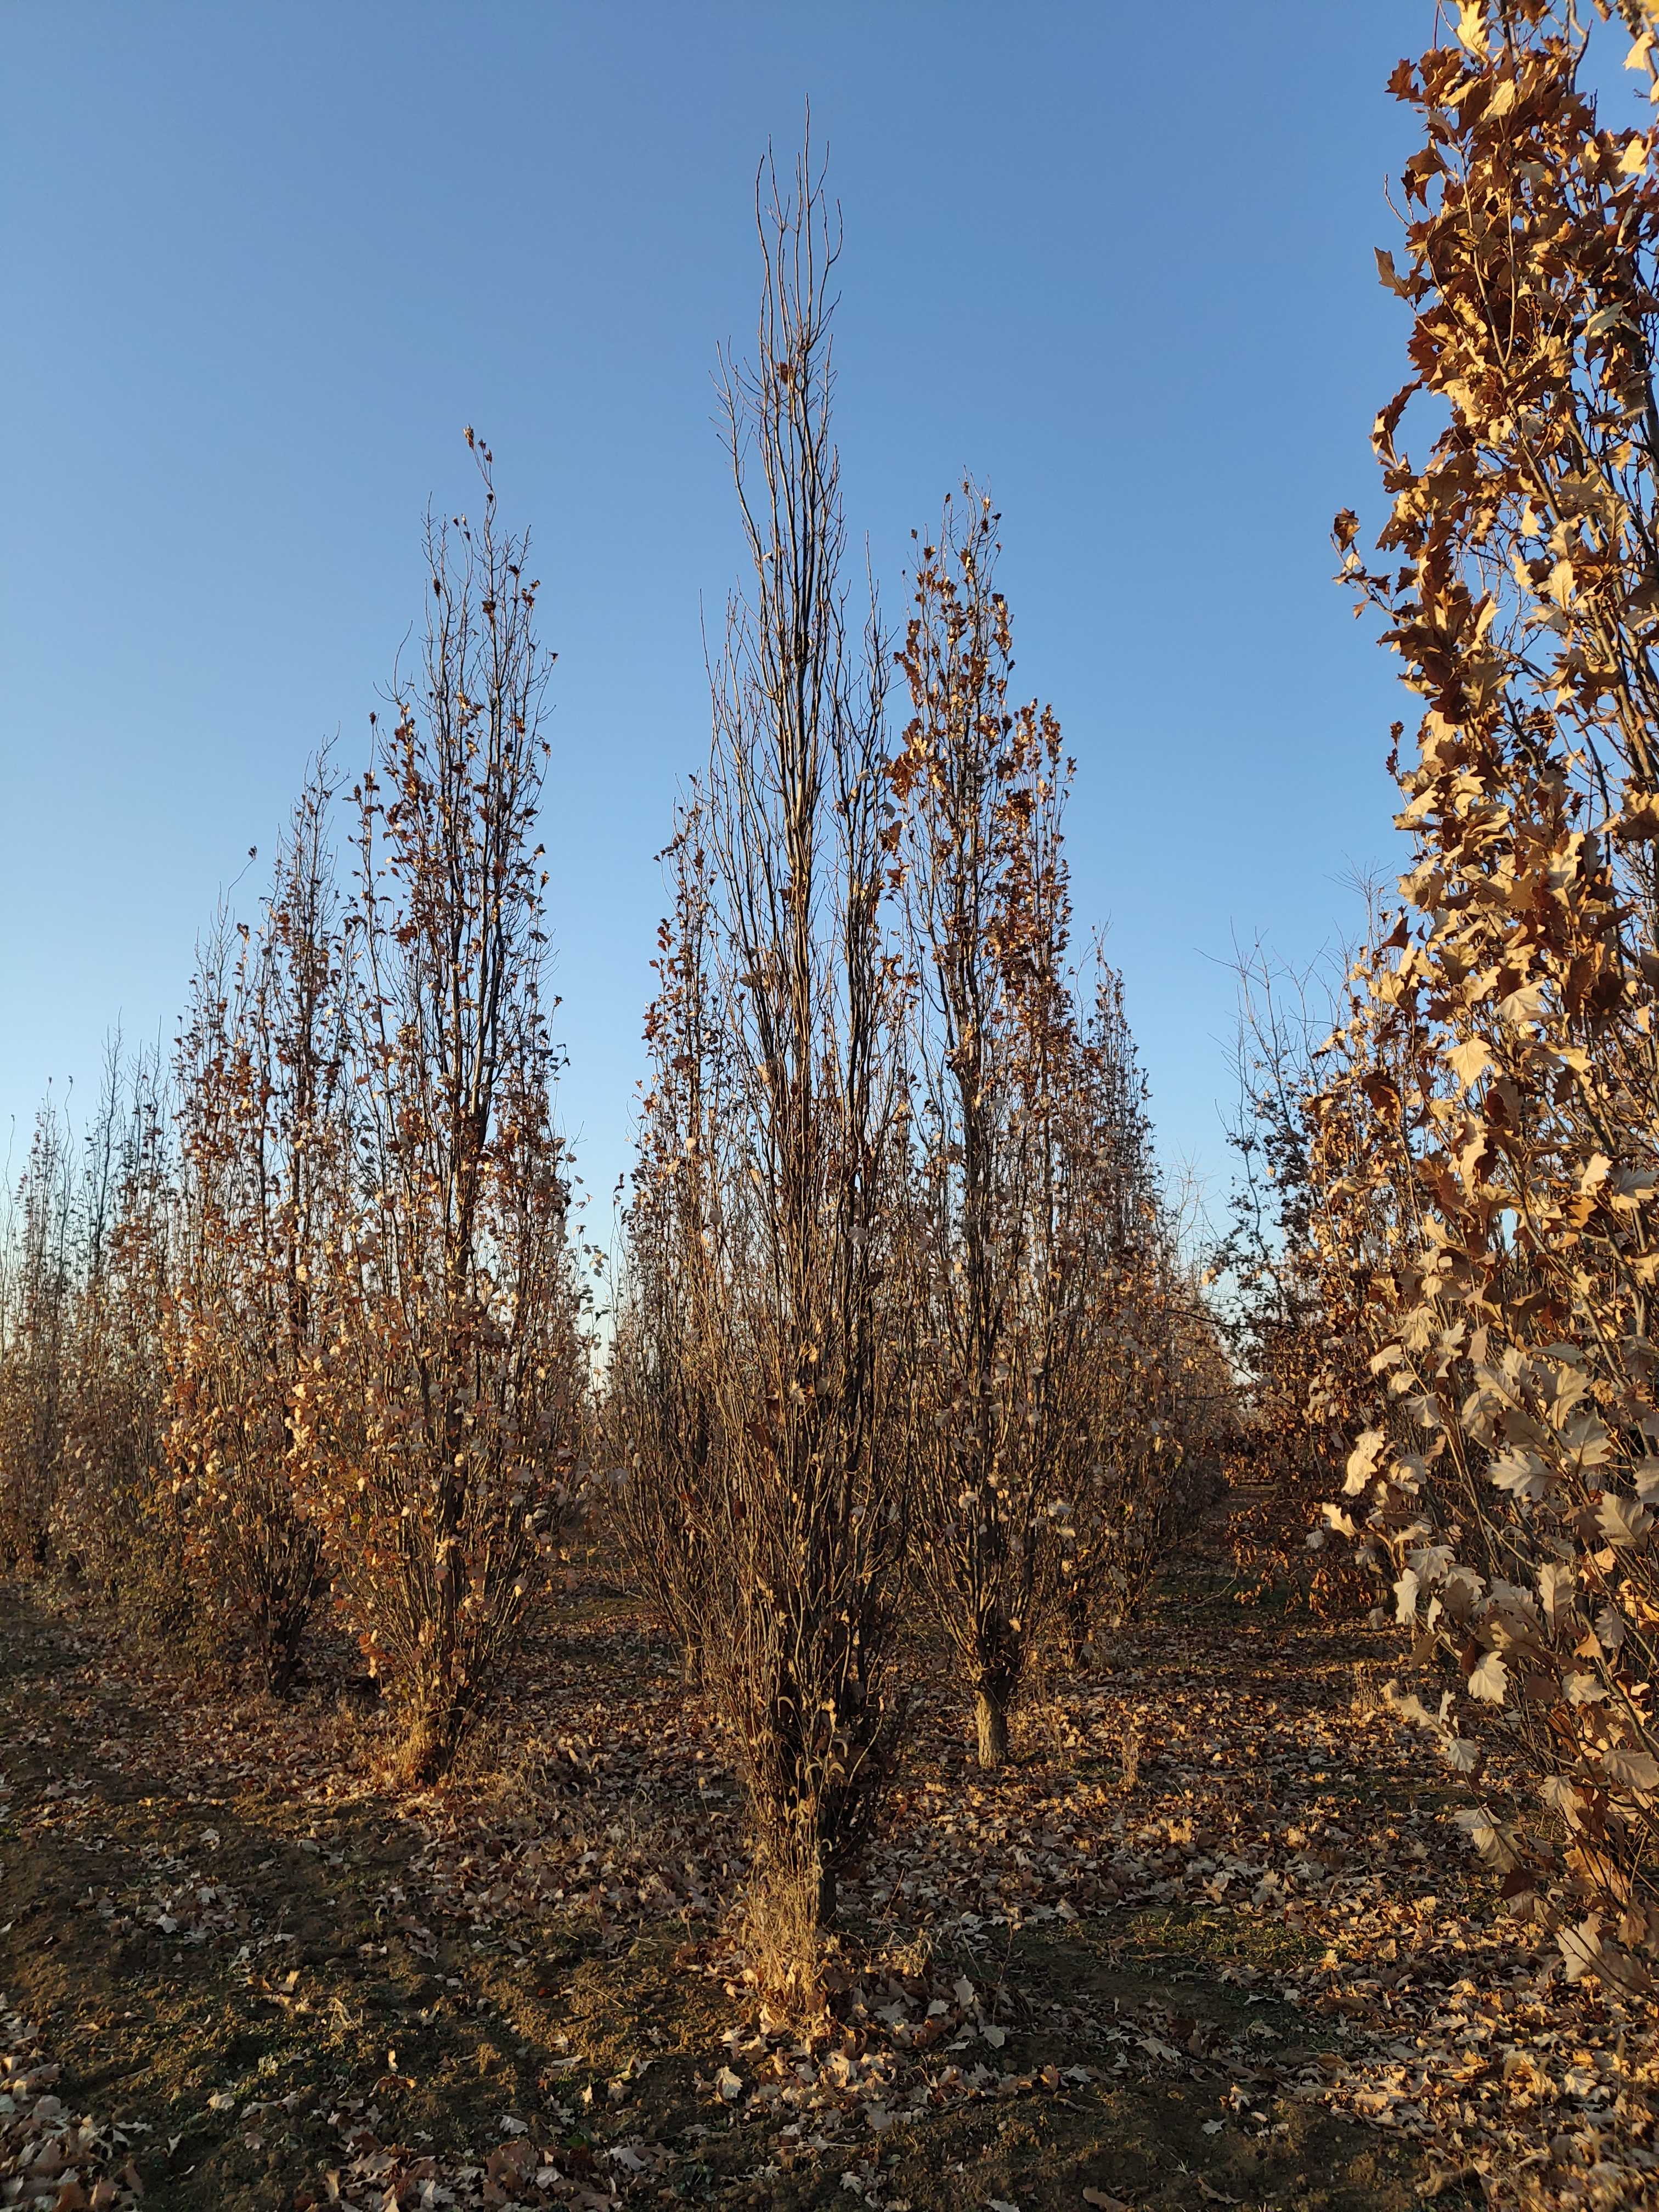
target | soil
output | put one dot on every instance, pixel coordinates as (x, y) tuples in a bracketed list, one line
[(274, 1982)]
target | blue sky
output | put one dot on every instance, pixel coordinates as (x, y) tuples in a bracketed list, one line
[(262, 264)]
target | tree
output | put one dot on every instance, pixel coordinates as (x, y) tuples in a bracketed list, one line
[(452, 1390), (119, 1506), (265, 1161), (995, 1053), (37, 1298), (662, 1397), (1154, 1389), (774, 1146), (1505, 1484), (1303, 1267)]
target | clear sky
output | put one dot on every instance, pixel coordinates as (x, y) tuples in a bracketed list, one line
[(262, 263)]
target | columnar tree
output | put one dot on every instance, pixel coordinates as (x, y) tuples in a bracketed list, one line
[(1507, 1479), (120, 1506), (1155, 1388), (264, 1106), (662, 1398), (778, 1126), (981, 787), (38, 1285), (1317, 1211), (454, 1388)]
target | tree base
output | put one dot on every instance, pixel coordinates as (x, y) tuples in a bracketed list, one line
[(991, 1723)]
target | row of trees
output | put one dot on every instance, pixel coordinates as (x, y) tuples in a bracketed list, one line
[(901, 1306), (900, 1284), (310, 1323), (1468, 1165)]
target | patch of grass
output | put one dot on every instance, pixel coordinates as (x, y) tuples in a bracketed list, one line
[(1187, 1935)]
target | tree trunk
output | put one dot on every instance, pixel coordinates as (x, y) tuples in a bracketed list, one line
[(1075, 1611), (284, 1656), (991, 1717), (436, 1725)]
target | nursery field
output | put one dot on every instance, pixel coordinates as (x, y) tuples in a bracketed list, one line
[(496, 1710), (1213, 1937)]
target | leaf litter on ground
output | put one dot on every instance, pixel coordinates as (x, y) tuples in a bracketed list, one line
[(1268, 1899)]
